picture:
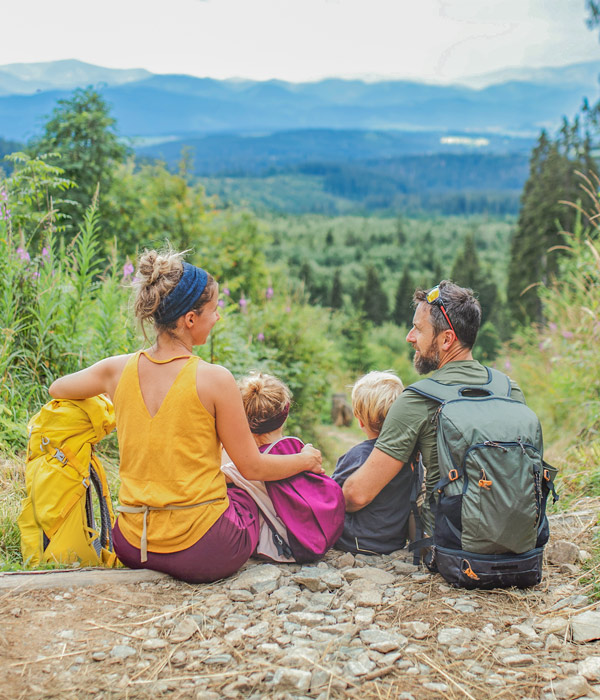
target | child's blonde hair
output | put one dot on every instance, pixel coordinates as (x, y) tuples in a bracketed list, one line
[(266, 401), (372, 396)]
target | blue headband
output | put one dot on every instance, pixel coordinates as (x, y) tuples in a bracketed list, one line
[(183, 296)]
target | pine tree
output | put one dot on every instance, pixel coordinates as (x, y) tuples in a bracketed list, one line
[(534, 258), (306, 276), (375, 303), (337, 299), (467, 272), (329, 240), (400, 235), (403, 311)]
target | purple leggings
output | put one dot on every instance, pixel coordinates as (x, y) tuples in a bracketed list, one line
[(221, 551)]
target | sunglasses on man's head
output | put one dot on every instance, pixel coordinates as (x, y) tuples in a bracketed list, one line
[(434, 298)]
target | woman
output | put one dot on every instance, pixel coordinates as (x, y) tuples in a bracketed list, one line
[(173, 411)]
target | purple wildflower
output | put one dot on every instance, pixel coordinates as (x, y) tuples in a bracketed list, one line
[(567, 334), (243, 304), (127, 270), (45, 252), (23, 254), (260, 337), (269, 293), (226, 291), (287, 309), (552, 326), (35, 274), (221, 303), (507, 366)]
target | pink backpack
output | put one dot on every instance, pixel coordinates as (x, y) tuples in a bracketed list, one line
[(311, 506)]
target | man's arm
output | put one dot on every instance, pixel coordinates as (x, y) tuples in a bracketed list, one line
[(367, 481)]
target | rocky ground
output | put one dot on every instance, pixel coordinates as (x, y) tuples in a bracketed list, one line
[(348, 627)]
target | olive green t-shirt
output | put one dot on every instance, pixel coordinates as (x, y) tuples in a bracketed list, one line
[(410, 422)]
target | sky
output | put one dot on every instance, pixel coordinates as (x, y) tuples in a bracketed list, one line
[(300, 40)]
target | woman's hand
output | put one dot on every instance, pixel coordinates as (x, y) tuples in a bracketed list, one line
[(314, 459)]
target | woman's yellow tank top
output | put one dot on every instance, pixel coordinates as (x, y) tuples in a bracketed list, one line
[(170, 459)]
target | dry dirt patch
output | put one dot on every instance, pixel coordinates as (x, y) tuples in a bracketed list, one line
[(352, 627)]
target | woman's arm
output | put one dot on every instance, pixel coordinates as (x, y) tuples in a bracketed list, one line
[(234, 433), (100, 378)]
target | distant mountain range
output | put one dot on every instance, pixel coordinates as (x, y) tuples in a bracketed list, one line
[(166, 108)]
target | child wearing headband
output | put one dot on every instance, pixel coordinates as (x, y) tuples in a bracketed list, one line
[(174, 412), (266, 402)]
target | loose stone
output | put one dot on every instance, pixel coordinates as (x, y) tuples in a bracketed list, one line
[(257, 579), (184, 630), (154, 644), (312, 578), (562, 552), (122, 651), (382, 641), (369, 573), (418, 630), (568, 688), (590, 668), (292, 678), (454, 635), (518, 660), (585, 627)]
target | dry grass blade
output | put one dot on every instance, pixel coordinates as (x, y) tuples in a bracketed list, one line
[(447, 676)]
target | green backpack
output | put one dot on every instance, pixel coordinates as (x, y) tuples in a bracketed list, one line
[(490, 516)]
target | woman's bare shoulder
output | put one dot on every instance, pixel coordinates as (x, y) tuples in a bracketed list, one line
[(216, 373)]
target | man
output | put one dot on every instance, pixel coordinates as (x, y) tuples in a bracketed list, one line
[(445, 326)]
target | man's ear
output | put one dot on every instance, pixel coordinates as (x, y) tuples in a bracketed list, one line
[(449, 339)]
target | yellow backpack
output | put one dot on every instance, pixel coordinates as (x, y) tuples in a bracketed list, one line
[(57, 520)]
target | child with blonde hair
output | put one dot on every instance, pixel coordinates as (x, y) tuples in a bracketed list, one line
[(381, 526), (301, 517), (266, 401)]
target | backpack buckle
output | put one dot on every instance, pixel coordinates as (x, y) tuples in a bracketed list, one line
[(453, 474), (547, 475), (60, 456)]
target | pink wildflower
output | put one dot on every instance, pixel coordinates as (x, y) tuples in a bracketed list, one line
[(269, 293), (226, 291), (243, 304), (45, 252), (260, 337), (221, 303), (127, 270), (567, 334), (23, 254), (552, 326), (507, 366)]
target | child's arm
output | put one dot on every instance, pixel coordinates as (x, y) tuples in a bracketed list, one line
[(234, 433)]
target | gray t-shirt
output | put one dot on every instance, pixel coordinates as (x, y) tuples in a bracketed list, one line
[(410, 423)]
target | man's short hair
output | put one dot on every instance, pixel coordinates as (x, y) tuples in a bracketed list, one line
[(372, 396), (461, 306)]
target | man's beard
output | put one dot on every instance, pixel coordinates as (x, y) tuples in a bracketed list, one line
[(425, 363)]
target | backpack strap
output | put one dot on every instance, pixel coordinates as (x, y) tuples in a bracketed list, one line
[(498, 384), (281, 439)]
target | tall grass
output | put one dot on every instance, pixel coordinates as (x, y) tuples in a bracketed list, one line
[(59, 310), (557, 363)]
